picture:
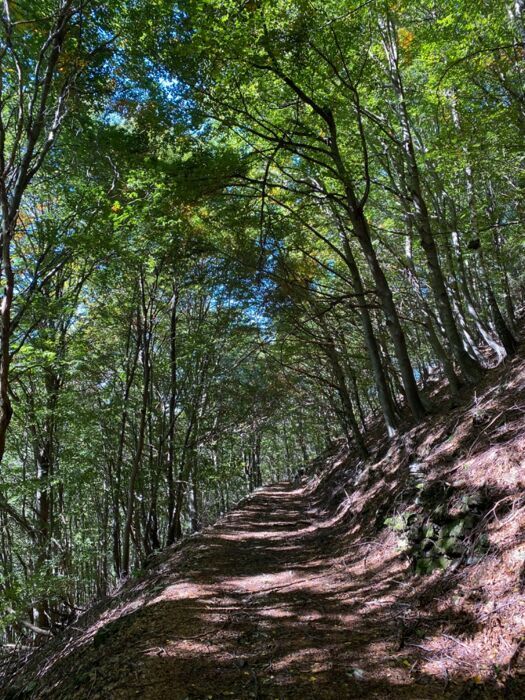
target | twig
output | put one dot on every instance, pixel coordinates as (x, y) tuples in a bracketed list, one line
[(458, 641)]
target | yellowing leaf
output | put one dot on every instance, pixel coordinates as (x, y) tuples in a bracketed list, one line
[(406, 37)]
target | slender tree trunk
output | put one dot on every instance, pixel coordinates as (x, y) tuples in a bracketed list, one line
[(440, 352), (131, 367), (469, 367), (175, 526), (392, 321), (172, 405), (383, 391), (194, 497), (342, 389), (6, 410), (500, 258), (505, 335), (354, 207), (145, 333)]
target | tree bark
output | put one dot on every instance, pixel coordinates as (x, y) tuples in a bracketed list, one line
[(469, 367), (145, 333)]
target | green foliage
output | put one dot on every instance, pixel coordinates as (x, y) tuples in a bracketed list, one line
[(184, 251)]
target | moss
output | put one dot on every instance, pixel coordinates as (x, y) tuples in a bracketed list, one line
[(435, 536)]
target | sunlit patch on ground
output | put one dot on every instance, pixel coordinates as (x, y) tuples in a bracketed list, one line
[(304, 594)]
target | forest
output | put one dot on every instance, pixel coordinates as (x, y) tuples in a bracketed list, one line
[(237, 235)]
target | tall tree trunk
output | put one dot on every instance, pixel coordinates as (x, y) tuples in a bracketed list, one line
[(6, 410), (392, 321), (354, 207), (440, 352), (116, 478), (175, 526), (505, 334), (145, 332), (349, 418), (469, 367), (383, 391), (172, 405)]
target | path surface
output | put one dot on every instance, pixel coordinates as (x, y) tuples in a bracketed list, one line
[(302, 593), (261, 606)]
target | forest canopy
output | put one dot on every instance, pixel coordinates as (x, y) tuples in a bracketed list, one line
[(234, 232)]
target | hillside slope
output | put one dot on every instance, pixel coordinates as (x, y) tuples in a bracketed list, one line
[(305, 592)]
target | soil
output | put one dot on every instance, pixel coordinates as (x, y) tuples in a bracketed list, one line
[(303, 592)]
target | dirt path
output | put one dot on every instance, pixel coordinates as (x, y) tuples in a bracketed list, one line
[(302, 593), (260, 606)]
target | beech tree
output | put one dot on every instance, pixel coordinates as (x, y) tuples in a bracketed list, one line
[(234, 235)]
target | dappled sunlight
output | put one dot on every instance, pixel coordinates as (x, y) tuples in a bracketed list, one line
[(305, 593)]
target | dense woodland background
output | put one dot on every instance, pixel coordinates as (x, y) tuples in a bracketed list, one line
[(231, 232)]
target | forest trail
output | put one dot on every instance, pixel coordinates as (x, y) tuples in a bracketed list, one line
[(243, 238), (304, 591), (260, 606)]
